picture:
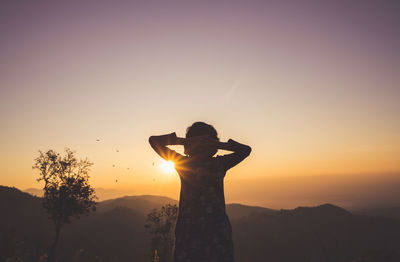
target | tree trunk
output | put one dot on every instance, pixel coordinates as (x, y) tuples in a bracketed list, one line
[(52, 251)]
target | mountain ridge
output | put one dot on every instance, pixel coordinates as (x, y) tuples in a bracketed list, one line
[(324, 233)]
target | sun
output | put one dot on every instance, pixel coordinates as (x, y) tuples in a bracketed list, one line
[(167, 166)]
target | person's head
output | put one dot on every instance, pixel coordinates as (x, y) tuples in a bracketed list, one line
[(200, 129)]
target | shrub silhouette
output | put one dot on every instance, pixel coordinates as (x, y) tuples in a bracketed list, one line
[(161, 224)]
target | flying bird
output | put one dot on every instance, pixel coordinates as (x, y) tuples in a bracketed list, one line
[(97, 140), (117, 150)]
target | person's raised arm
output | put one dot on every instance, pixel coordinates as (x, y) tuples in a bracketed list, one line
[(240, 152), (160, 143)]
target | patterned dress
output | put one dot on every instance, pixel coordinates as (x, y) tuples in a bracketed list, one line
[(203, 232)]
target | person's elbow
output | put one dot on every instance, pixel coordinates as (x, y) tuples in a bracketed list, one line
[(247, 150), (152, 141)]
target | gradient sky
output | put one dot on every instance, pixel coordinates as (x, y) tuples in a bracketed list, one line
[(312, 86)]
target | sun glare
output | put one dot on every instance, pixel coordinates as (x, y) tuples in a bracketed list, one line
[(167, 167)]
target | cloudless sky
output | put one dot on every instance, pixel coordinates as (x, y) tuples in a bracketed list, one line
[(311, 86)]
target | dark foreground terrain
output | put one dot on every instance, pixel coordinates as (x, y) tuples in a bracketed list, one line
[(116, 232)]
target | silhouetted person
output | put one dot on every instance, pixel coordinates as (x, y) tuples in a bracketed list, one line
[(203, 231)]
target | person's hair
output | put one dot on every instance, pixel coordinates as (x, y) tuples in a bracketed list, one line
[(201, 129)]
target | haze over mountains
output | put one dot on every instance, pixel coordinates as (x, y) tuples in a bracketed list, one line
[(355, 192), (115, 232)]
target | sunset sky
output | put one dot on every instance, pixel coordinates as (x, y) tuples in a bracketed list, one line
[(312, 86)]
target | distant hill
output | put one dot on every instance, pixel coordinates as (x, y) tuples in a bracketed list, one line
[(101, 193), (325, 233), (24, 227), (389, 212), (114, 234), (146, 203), (236, 211), (34, 191), (143, 204), (322, 233)]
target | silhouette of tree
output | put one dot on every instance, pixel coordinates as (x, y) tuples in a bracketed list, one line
[(161, 224), (67, 192)]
